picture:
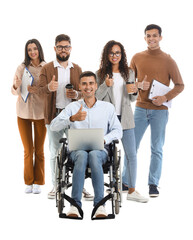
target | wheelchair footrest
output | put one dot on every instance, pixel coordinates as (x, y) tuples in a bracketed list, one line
[(110, 216), (63, 215), (72, 202), (102, 202)]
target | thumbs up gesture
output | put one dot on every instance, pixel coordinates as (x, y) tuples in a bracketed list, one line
[(53, 85), (144, 85), (79, 116), (109, 81), (17, 82)]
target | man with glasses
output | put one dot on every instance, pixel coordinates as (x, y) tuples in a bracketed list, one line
[(53, 80)]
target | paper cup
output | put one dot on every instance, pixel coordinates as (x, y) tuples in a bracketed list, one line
[(129, 86)]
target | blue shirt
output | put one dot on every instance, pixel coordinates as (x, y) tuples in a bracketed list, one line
[(101, 115)]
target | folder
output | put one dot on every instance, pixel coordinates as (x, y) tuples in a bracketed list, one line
[(159, 89), (27, 79)]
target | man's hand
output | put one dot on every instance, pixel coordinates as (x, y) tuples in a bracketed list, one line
[(53, 85), (79, 116), (159, 100), (17, 82), (70, 93), (109, 81), (144, 85)]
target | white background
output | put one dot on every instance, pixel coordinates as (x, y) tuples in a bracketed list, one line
[(90, 24)]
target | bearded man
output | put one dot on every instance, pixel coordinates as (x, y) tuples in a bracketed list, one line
[(53, 80)]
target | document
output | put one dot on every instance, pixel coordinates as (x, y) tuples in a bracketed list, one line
[(159, 89), (27, 79)]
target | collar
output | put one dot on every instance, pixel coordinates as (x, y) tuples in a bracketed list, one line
[(40, 64), (154, 52), (57, 64), (82, 102)]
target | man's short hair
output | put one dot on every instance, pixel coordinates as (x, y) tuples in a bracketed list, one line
[(153, 26), (62, 37), (87, 74)]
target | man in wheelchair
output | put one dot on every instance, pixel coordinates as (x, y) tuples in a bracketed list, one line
[(89, 113)]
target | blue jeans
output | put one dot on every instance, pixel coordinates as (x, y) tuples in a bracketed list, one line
[(95, 159), (130, 159), (157, 119), (54, 147)]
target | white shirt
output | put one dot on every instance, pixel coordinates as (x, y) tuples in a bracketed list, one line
[(63, 78), (118, 91)]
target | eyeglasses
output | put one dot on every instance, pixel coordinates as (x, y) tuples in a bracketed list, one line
[(66, 48), (117, 54)]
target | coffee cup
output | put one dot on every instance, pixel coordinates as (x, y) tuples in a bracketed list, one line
[(69, 86), (129, 86)]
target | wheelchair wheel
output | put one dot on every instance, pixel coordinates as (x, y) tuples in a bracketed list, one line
[(58, 184), (116, 169), (60, 177), (118, 180), (115, 158)]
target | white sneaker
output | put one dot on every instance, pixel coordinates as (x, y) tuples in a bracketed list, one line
[(86, 195), (28, 188), (135, 196), (73, 212), (36, 189), (100, 212), (52, 194)]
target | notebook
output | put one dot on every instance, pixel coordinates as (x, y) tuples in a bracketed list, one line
[(159, 89), (86, 139), (27, 79)]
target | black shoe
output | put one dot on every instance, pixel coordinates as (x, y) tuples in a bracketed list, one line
[(153, 192)]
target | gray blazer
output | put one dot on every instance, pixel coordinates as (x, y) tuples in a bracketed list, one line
[(105, 93)]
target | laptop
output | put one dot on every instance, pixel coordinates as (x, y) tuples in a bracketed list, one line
[(86, 139)]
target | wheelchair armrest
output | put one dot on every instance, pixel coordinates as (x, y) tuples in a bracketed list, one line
[(115, 141), (112, 146), (63, 140)]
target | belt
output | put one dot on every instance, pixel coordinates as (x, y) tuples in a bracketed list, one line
[(59, 110)]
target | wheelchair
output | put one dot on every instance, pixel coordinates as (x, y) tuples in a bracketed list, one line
[(64, 169)]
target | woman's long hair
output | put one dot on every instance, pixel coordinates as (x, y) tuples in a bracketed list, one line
[(106, 65), (27, 59)]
